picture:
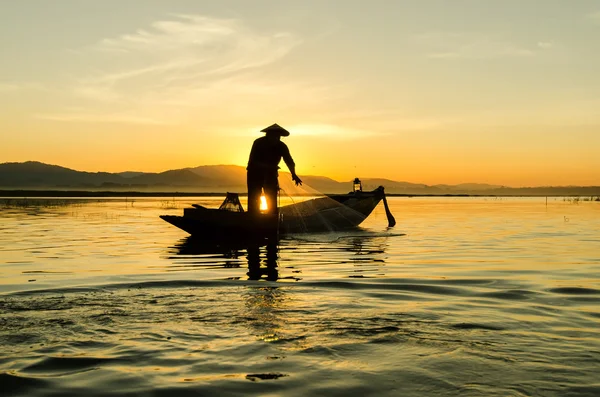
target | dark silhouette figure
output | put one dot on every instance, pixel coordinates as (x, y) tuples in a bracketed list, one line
[(255, 270), (263, 167)]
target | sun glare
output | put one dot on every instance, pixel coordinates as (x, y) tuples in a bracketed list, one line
[(263, 203)]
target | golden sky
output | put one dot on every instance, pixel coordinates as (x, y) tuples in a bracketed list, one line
[(432, 91)]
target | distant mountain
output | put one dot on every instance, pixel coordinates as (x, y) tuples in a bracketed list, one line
[(222, 175), (318, 183), (397, 187), (468, 186), (130, 174), (171, 178), (34, 175)]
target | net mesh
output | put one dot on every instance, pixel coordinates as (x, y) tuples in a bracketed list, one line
[(304, 209), (232, 203)]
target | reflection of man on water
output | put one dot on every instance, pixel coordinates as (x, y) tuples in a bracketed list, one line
[(262, 168), (255, 270)]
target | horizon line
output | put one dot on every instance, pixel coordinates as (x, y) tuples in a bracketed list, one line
[(492, 185)]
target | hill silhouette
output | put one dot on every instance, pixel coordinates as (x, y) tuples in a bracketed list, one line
[(33, 175)]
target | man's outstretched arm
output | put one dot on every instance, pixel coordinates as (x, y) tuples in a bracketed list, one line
[(287, 157), (295, 177)]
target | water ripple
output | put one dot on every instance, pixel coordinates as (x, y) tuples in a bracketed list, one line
[(105, 299)]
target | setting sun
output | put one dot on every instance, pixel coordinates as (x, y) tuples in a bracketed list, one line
[(263, 203)]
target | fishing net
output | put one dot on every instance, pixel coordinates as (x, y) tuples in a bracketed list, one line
[(232, 203), (304, 209)]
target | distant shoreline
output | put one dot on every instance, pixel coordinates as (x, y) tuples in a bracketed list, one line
[(118, 194), (35, 179)]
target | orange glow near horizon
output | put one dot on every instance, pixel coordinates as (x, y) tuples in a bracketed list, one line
[(339, 160)]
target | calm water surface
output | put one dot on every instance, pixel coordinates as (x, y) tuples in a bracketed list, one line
[(465, 296)]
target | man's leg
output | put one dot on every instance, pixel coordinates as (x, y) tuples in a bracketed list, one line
[(254, 182), (271, 188)]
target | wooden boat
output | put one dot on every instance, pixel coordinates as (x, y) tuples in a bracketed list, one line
[(329, 213)]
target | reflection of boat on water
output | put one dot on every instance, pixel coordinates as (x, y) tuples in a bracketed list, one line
[(362, 250), (329, 213)]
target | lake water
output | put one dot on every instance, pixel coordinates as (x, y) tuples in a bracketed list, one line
[(464, 297)]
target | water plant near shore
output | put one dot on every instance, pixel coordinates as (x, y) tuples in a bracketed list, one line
[(39, 202)]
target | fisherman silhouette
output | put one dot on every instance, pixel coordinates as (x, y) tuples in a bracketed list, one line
[(263, 166)]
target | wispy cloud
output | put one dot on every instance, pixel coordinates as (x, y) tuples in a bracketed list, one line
[(196, 45), (180, 61), (16, 86), (99, 117), (4, 87), (545, 44), (475, 46), (334, 131)]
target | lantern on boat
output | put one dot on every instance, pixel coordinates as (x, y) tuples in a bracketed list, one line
[(357, 185)]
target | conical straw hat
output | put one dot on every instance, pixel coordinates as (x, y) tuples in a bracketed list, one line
[(276, 128)]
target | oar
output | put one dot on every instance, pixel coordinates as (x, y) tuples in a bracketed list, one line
[(390, 217)]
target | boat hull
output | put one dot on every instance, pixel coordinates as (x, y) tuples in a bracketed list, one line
[(216, 224), (331, 213)]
